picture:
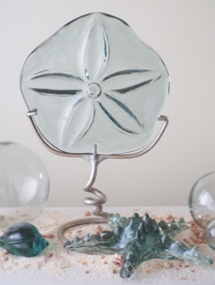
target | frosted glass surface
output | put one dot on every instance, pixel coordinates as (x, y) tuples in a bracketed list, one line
[(202, 200), (24, 184), (95, 82)]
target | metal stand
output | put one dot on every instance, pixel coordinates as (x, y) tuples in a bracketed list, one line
[(94, 159)]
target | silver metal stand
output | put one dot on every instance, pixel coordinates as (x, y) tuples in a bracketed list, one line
[(94, 159)]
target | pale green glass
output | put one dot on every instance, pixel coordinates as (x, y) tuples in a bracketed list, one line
[(210, 234), (23, 239), (24, 184), (202, 200), (95, 82), (140, 239)]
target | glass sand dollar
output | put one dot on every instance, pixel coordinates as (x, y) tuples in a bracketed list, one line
[(24, 184), (94, 82), (202, 200)]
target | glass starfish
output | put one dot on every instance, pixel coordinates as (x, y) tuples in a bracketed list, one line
[(139, 239), (95, 83)]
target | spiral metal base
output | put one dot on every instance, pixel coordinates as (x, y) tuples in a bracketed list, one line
[(97, 202)]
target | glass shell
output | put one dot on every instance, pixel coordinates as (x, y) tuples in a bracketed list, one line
[(202, 200), (24, 184), (23, 239), (94, 82)]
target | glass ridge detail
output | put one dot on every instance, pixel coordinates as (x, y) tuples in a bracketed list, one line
[(95, 82), (139, 239)]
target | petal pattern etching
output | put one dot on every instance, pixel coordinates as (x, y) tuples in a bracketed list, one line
[(88, 91)]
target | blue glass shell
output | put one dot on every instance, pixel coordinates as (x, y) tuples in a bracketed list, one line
[(23, 239)]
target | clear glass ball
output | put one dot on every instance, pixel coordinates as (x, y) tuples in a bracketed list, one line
[(210, 234), (202, 200), (24, 184)]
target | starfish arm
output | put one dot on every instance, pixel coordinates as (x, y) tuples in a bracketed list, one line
[(131, 260), (104, 242), (137, 253), (173, 228), (180, 251)]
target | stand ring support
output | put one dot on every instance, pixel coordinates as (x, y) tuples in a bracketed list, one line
[(94, 159)]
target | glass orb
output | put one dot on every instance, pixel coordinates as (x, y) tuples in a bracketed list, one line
[(210, 234), (202, 200), (24, 184)]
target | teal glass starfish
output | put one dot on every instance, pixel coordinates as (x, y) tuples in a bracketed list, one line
[(139, 239)]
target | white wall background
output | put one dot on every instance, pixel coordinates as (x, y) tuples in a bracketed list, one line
[(183, 33)]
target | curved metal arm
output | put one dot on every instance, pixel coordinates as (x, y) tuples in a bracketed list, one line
[(94, 159), (47, 144), (62, 229), (100, 157)]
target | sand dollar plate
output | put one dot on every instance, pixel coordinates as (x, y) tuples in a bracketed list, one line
[(94, 82)]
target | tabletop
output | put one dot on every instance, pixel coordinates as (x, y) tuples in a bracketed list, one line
[(56, 265)]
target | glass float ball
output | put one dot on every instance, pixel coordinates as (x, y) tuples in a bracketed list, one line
[(202, 200), (210, 234), (24, 184)]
